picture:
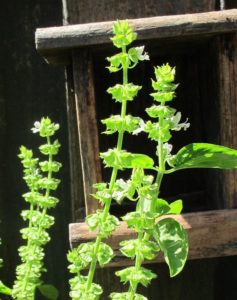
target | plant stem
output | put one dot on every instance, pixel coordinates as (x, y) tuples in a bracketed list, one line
[(160, 174), (111, 187), (138, 264), (44, 211)]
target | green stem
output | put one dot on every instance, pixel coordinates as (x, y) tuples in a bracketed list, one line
[(111, 187), (160, 174), (44, 211), (138, 264)]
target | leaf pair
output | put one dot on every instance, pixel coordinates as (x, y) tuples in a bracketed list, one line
[(121, 159)]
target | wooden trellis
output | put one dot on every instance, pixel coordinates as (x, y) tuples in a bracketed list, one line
[(78, 47)]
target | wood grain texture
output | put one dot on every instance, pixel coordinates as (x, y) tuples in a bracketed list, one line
[(85, 11), (211, 234), (76, 182), (55, 41), (86, 125), (227, 92)]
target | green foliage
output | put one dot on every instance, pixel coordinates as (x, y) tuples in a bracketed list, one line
[(173, 241), (48, 291), (145, 249), (202, 155), (117, 123), (123, 92), (126, 296), (38, 176), (80, 291), (105, 254), (123, 34), (121, 159), (134, 276), (82, 287), (152, 219), (4, 289), (95, 221)]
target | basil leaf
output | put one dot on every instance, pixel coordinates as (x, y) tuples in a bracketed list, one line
[(4, 289), (173, 241), (48, 291), (176, 207), (105, 254), (126, 160), (203, 155)]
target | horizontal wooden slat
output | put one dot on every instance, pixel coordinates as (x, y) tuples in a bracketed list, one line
[(211, 234), (54, 42)]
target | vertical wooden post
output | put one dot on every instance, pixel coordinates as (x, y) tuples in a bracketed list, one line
[(76, 184), (227, 61), (86, 124)]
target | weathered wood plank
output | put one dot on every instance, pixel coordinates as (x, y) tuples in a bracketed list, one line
[(211, 234), (55, 41), (76, 183), (85, 11), (227, 93), (86, 124)]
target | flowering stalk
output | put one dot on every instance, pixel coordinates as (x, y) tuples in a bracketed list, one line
[(149, 206), (156, 230), (38, 176), (89, 254)]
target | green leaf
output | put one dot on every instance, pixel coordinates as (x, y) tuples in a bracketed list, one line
[(122, 189), (79, 289), (162, 207), (176, 207), (105, 254), (50, 149), (126, 160), (45, 127), (135, 160), (130, 274), (117, 123), (165, 73), (103, 194), (140, 221), (163, 96), (126, 296), (93, 220), (203, 155), (124, 34), (48, 291), (118, 61), (157, 111), (146, 249), (50, 166), (128, 248), (48, 183), (109, 226), (155, 132), (124, 92), (137, 53), (173, 241), (4, 289)]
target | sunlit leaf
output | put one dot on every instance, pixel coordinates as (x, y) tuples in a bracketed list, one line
[(126, 160), (4, 289), (173, 241), (203, 155), (176, 207), (105, 254)]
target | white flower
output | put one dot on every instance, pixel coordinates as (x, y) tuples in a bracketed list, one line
[(175, 125)]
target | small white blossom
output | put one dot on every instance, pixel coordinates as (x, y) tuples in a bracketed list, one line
[(175, 122), (140, 128)]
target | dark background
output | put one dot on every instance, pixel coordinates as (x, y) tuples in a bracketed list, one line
[(30, 89)]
